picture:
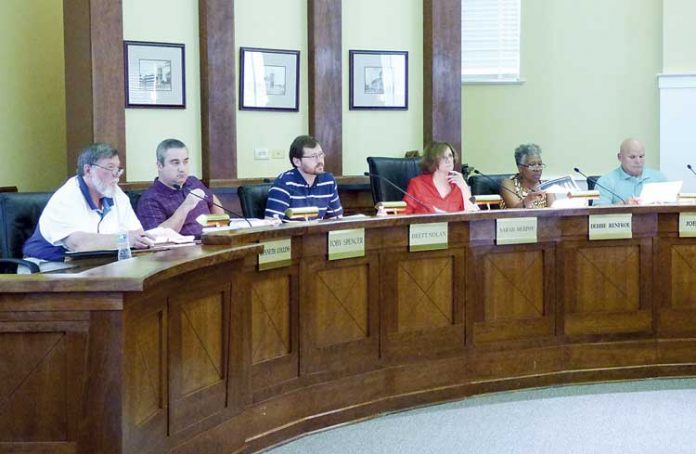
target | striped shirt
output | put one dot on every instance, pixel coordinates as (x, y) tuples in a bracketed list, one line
[(290, 190)]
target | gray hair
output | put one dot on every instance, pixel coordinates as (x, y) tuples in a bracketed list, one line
[(93, 153), (165, 146), (524, 151)]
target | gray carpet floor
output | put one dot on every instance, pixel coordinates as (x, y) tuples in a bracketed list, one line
[(648, 416)]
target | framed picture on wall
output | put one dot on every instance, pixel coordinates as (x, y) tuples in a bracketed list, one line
[(154, 74), (378, 79), (269, 80)]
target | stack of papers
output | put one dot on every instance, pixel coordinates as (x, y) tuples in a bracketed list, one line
[(165, 235)]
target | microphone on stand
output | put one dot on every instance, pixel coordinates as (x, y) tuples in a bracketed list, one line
[(230, 212), (688, 166), (395, 186), (600, 185)]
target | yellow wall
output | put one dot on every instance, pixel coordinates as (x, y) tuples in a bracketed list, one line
[(679, 52), (590, 68), (270, 24), (32, 92), (176, 22), (373, 25)]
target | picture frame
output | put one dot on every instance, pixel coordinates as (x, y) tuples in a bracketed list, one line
[(269, 79), (155, 74), (378, 79)]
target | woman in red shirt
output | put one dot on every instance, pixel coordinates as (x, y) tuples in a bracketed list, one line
[(440, 188)]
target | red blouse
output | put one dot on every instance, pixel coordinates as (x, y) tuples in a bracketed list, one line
[(423, 188)]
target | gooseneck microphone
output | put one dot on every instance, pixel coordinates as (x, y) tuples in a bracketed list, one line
[(395, 186), (230, 212), (600, 185), (688, 166)]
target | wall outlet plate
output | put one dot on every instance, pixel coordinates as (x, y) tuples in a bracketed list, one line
[(277, 154), (261, 153)]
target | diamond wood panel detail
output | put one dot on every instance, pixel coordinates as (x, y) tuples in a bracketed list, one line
[(33, 383), (683, 277), (148, 367), (270, 318), (514, 286), (425, 294), (201, 343), (608, 279), (341, 305)]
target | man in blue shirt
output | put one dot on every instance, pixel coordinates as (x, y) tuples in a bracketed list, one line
[(628, 179), (306, 185)]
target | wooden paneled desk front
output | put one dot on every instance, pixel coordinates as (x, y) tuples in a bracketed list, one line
[(197, 350)]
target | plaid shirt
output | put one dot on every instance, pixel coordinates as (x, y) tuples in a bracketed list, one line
[(159, 202)]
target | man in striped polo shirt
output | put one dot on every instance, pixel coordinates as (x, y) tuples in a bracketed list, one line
[(306, 185)]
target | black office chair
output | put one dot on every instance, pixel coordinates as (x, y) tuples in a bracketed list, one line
[(398, 171), (19, 215), (486, 185), (252, 198), (592, 181), (134, 197)]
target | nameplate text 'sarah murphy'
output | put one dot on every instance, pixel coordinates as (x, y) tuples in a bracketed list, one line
[(516, 230)]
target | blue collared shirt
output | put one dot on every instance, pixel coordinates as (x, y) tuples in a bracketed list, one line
[(624, 185), (290, 190)]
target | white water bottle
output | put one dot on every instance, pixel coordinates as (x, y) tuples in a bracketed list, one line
[(123, 245)]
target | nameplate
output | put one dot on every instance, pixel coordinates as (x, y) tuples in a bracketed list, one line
[(345, 244), (687, 225), (611, 226), (276, 254), (516, 230), (427, 237)]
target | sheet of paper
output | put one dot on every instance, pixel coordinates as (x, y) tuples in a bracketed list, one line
[(666, 192)]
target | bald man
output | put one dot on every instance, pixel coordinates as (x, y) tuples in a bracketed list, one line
[(628, 179)]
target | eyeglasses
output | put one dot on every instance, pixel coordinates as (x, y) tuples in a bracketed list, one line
[(314, 156), (533, 166), (116, 171)]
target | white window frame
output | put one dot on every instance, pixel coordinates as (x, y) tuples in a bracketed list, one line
[(491, 39)]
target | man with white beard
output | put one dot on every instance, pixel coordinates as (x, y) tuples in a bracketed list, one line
[(86, 213)]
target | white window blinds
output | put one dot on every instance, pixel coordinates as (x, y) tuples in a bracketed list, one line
[(490, 40)]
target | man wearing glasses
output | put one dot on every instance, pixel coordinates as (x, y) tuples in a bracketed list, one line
[(86, 213), (176, 198), (306, 185), (626, 181)]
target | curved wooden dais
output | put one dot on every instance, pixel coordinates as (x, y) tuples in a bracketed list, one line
[(197, 350)]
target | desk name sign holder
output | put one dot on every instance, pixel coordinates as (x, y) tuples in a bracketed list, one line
[(276, 254), (610, 226), (687, 225), (346, 244), (432, 236), (516, 231)]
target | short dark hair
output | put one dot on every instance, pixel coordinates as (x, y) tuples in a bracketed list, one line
[(432, 155), (166, 145), (299, 144), (93, 153), (526, 150)]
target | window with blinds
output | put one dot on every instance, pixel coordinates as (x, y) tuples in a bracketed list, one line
[(490, 41)]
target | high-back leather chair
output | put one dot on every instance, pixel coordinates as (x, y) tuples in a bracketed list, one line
[(19, 215), (486, 185), (592, 181), (398, 171), (252, 198)]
